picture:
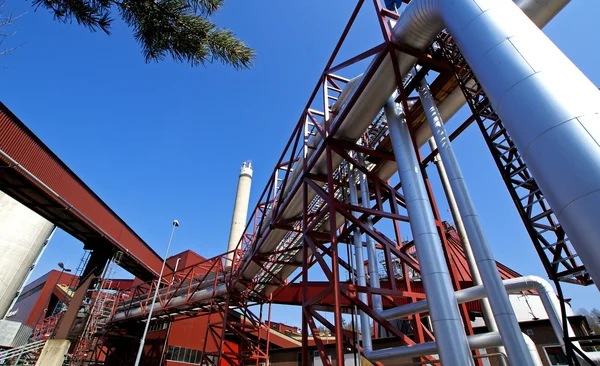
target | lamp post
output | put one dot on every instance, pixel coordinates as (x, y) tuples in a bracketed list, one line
[(63, 269), (162, 268)]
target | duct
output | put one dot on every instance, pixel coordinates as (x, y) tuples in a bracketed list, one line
[(180, 300), (365, 327), (447, 324), (365, 108), (542, 287), (486, 311), (530, 84), (371, 247), (498, 299), (478, 341)]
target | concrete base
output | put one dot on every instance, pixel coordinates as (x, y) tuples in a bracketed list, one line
[(54, 352)]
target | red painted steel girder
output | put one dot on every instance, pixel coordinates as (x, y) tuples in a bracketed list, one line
[(56, 193)]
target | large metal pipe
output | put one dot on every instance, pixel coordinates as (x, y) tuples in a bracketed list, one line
[(530, 84), (447, 324), (371, 246), (542, 287), (478, 341), (240, 211), (486, 310), (361, 277), (502, 310), (174, 302)]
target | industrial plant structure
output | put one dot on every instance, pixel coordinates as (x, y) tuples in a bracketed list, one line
[(334, 206)]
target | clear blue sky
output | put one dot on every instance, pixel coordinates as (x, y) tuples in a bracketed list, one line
[(163, 140)]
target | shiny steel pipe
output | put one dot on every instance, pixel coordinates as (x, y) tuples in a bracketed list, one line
[(371, 246), (530, 84), (360, 267), (542, 287), (478, 341), (443, 309), (486, 310), (177, 301), (502, 310)]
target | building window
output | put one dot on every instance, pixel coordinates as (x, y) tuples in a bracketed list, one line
[(556, 356), (158, 325), (185, 355)]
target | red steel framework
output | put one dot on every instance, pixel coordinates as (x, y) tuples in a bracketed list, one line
[(33, 175), (314, 240)]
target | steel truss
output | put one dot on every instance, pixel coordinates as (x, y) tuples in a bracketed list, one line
[(315, 239), (558, 256)]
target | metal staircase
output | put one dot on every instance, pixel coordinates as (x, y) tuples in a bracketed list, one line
[(103, 305), (24, 355)]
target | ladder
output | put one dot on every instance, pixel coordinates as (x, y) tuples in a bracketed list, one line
[(103, 305)]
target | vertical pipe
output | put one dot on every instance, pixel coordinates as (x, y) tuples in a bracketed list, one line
[(450, 336), (506, 320), (371, 250), (360, 267), (240, 211), (486, 310)]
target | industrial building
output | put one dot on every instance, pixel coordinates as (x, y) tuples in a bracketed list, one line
[(347, 227)]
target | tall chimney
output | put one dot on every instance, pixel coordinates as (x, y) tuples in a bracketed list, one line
[(240, 210)]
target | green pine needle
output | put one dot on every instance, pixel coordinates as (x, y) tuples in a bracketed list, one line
[(176, 28)]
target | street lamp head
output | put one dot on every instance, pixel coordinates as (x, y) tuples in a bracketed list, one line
[(61, 265), (175, 223)]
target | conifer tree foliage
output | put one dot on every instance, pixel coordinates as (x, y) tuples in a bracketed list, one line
[(177, 28)]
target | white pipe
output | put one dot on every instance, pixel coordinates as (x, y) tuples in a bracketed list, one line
[(477, 341), (447, 324), (542, 287), (174, 303), (529, 83), (486, 310), (371, 246), (498, 299), (360, 267)]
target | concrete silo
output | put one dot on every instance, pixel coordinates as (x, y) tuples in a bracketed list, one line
[(23, 235)]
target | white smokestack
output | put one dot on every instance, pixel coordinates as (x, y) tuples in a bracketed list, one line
[(240, 210)]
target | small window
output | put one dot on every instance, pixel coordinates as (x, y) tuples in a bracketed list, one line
[(556, 356), (529, 332)]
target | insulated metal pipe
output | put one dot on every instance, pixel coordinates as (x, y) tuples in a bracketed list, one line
[(542, 287), (240, 211), (530, 84), (360, 267), (447, 324), (486, 311), (477, 341), (371, 247), (502, 310)]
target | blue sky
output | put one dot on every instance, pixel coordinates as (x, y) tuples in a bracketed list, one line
[(163, 140)]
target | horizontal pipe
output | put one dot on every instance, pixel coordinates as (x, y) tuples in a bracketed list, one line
[(180, 300), (477, 341), (544, 289)]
